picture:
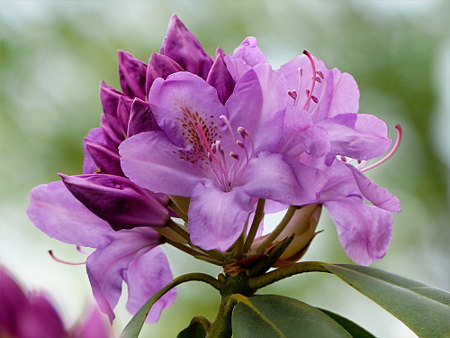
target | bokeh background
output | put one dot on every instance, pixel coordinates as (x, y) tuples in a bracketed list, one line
[(54, 54)]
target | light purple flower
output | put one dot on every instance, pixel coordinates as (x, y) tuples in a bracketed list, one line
[(216, 154), (321, 124), (130, 256), (32, 315)]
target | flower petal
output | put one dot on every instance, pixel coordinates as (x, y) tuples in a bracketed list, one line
[(359, 136), (93, 325), (104, 157), (13, 302), (55, 211), (245, 56), (184, 48), (270, 177), (178, 107), (146, 275), (375, 194), (40, 319), (345, 94), (219, 77), (117, 200), (364, 231), (132, 74), (96, 135), (106, 266), (160, 66), (151, 161), (217, 218), (141, 118)]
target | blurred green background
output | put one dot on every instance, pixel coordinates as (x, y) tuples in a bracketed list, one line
[(54, 53)]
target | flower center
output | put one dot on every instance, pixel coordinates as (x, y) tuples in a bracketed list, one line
[(227, 167)]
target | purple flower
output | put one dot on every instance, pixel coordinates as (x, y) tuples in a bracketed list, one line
[(219, 155), (32, 315), (130, 256)]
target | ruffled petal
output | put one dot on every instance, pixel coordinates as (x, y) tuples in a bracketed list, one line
[(183, 47), (245, 56), (146, 275), (301, 135), (270, 177), (364, 231), (55, 211), (359, 136), (217, 218), (178, 107), (153, 162), (256, 108), (106, 266), (375, 194)]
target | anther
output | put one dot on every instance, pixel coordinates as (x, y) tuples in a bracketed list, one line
[(292, 93), (234, 155), (242, 132), (314, 98), (240, 144), (62, 261), (320, 74)]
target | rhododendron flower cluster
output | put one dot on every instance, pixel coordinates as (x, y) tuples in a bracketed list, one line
[(194, 150)]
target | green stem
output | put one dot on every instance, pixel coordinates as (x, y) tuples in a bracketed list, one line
[(284, 222), (284, 272), (259, 215), (179, 212), (178, 229), (193, 252), (221, 326), (134, 327)]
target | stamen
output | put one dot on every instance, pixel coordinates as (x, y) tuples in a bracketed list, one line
[(227, 123), (391, 153), (62, 261), (80, 249), (300, 84), (313, 66), (292, 93)]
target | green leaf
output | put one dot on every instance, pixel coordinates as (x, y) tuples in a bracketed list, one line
[(271, 316), (134, 326), (194, 330), (424, 309), (351, 327)]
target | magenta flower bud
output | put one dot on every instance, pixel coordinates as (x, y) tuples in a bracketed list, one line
[(117, 200), (132, 74), (160, 66), (184, 48), (105, 158)]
